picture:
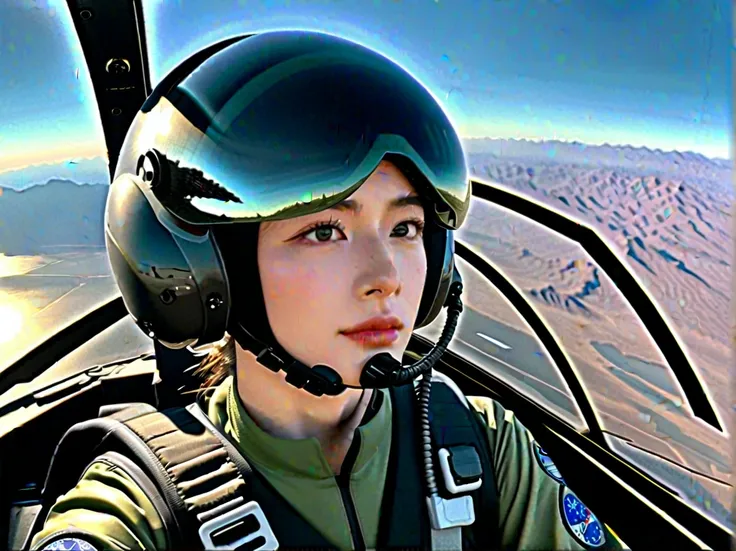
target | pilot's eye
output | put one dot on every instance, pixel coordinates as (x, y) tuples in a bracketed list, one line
[(323, 232)]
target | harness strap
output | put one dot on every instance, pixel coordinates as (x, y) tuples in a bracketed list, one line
[(211, 487), (83, 443), (445, 419), (227, 504), (455, 426), (404, 523), (218, 502), (292, 530), (449, 539)]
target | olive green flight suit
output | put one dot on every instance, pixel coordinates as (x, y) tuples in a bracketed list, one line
[(108, 504)]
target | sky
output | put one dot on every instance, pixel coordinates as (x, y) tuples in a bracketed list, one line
[(624, 72)]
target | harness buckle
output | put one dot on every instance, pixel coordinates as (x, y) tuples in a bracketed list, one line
[(461, 468), (231, 530), (450, 513), (462, 471)]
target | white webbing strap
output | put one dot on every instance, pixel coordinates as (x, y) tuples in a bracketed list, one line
[(447, 517), (449, 539)]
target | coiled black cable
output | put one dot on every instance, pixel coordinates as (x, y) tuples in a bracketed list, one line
[(454, 308)]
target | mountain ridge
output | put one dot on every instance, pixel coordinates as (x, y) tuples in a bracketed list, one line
[(720, 161), (62, 215), (91, 171)]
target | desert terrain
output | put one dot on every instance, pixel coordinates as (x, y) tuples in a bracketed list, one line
[(669, 215)]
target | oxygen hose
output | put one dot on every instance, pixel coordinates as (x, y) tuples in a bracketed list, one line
[(454, 308)]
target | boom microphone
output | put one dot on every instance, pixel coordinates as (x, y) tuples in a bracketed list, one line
[(381, 371)]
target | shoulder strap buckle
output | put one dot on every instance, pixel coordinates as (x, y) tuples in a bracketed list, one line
[(461, 468), (244, 525), (462, 471), (450, 513)]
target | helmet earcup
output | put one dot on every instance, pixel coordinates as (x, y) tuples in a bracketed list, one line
[(172, 281), (440, 249)]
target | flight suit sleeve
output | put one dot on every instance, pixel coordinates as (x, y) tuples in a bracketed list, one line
[(530, 515), (109, 508)]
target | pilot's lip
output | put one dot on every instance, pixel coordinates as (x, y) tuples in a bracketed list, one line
[(378, 323)]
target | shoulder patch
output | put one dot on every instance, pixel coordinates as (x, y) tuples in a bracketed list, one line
[(545, 461), (579, 521), (68, 543)]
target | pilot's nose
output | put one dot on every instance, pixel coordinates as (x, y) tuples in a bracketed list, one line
[(379, 278)]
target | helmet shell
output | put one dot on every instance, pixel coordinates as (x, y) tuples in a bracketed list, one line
[(172, 206)]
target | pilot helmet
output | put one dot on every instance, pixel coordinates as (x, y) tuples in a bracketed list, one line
[(257, 128)]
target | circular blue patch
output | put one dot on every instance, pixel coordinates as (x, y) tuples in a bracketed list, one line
[(69, 544), (548, 466), (579, 521)]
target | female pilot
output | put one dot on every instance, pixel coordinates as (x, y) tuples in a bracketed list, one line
[(331, 181)]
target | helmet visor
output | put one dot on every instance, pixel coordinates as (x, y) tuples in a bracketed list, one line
[(301, 133)]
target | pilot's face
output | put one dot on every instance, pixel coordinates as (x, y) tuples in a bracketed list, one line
[(324, 274)]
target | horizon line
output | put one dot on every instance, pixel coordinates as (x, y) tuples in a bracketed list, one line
[(603, 144), (105, 160)]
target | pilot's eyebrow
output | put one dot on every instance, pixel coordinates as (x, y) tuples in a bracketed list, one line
[(354, 206)]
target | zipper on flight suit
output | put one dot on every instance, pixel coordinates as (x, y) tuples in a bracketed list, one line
[(343, 481)]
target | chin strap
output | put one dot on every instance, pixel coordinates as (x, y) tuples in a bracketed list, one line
[(381, 371)]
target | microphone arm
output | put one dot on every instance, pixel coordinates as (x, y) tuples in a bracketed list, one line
[(381, 371)]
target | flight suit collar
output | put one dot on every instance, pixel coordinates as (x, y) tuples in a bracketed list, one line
[(304, 456)]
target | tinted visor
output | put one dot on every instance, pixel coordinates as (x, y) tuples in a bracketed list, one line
[(283, 125)]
